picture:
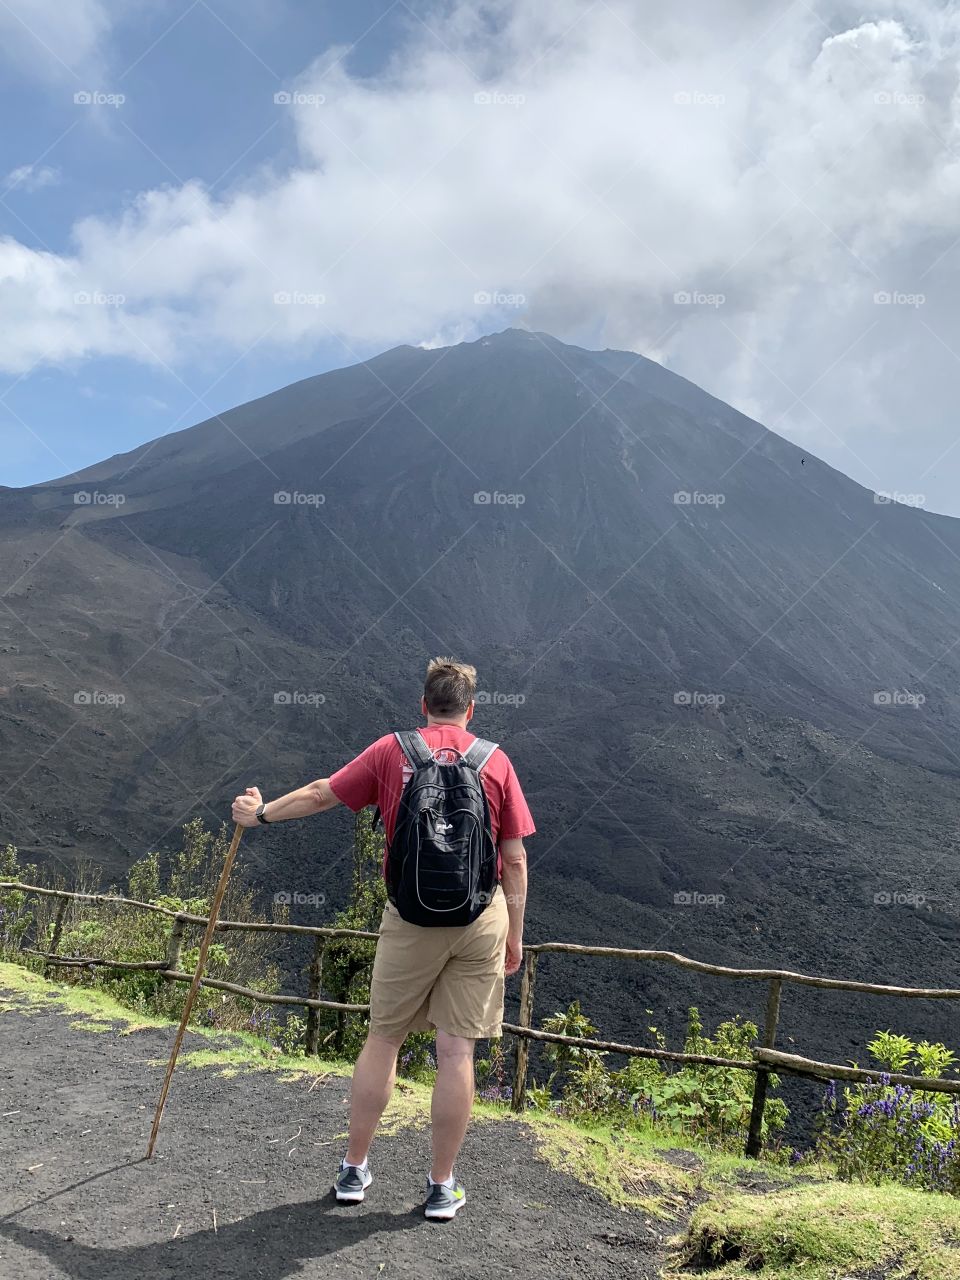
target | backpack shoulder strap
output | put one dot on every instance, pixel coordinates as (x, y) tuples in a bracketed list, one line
[(413, 747), (478, 753)]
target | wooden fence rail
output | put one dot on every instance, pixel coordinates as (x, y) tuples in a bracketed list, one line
[(795, 1065), (249, 926), (724, 971), (766, 1058), (174, 975)]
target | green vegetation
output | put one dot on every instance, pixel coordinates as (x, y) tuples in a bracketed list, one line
[(627, 1167), (25, 991), (93, 1009), (347, 963), (877, 1133), (702, 1103), (824, 1231), (110, 931), (16, 915)]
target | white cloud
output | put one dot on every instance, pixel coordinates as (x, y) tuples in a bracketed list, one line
[(54, 39), (627, 154), (31, 177)]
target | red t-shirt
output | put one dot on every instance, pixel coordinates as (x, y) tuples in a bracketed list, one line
[(379, 774)]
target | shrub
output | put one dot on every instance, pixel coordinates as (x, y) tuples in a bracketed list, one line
[(16, 913), (347, 963), (112, 931), (882, 1132), (492, 1074), (709, 1104), (715, 1102)]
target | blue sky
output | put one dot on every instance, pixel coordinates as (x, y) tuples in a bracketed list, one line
[(199, 83), (762, 196)]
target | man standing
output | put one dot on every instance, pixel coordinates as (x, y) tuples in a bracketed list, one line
[(454, 818)]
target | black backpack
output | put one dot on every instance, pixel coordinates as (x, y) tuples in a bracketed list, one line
[(442, 863)]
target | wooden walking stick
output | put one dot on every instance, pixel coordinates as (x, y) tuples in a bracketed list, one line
[(195, 984)]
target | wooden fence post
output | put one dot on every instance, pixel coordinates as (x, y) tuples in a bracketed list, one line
[(312, 1046), (175, 944), (519, 1094), (752, 1148), (57, 931)]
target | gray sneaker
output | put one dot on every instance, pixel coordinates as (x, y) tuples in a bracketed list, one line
[(443, 1202), (351, 1183)]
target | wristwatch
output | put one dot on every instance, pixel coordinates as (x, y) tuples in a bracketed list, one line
[(258, 814)]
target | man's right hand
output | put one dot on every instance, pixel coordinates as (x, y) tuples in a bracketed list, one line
[(245, 807), (514, 957)]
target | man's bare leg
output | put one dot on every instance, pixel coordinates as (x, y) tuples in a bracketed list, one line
[(452, 1102), (373, 1079)]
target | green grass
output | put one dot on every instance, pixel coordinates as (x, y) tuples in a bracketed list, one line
[(628, 1168), (825, 1231), (622, 1166), (94, 1010), (25, 991)]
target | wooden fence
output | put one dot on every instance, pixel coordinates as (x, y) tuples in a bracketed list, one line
[(766, 1058)]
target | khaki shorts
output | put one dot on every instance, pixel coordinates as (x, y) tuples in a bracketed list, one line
[(449, 978)]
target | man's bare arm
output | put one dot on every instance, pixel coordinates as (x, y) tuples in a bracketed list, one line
[(513, 857), (315, 797)]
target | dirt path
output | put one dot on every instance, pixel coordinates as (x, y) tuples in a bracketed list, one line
[(240, 1183)]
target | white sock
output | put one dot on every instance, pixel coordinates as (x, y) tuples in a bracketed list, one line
[(450, 1183), (361, 1167)]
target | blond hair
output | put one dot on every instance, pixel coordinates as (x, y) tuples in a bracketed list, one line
[(449, 686)]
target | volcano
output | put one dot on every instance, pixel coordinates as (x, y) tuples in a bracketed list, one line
[(728, 679)]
